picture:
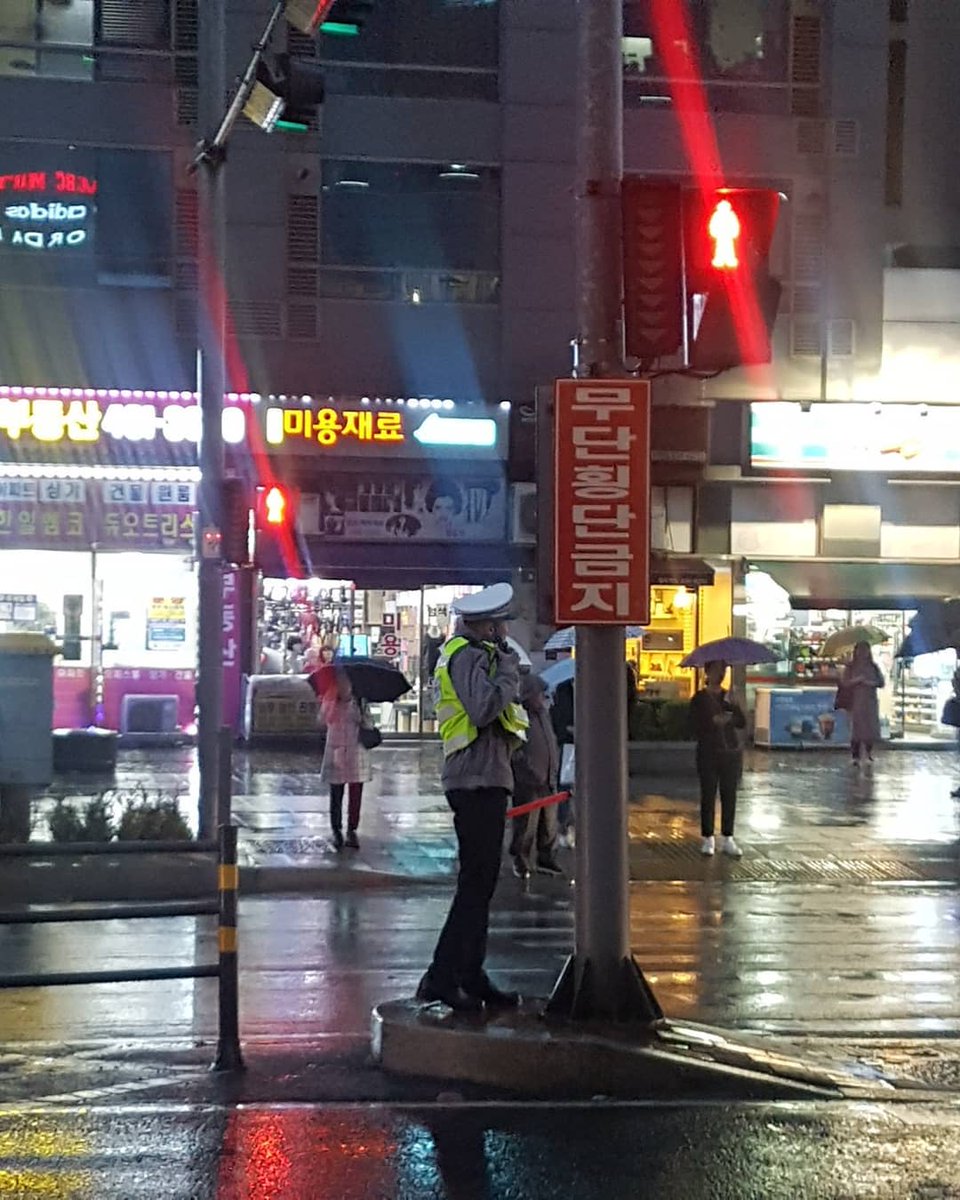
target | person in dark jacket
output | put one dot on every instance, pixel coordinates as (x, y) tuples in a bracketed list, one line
[(536, 765), (715, 719)]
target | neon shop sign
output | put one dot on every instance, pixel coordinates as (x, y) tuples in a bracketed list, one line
[(46, 210)]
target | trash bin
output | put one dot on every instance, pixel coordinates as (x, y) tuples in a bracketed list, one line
[(26, 709)]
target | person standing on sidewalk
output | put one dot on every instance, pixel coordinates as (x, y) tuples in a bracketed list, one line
[(481, 724), (536, 766), (346, 763), (716, 718), (863, 679)]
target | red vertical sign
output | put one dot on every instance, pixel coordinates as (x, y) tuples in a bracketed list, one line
[(602, 502), (230, 644)]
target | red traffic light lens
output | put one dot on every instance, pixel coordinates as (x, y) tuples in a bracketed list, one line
[(275, 506), (724, 231)]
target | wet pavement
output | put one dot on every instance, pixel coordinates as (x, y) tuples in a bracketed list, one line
[(838, 929), (499, 1152)]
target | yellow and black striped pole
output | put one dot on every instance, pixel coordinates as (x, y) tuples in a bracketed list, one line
[(229, 1057)]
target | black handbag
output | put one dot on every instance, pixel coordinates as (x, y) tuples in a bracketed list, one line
[(844, 698), (951, 713), (370, 737)]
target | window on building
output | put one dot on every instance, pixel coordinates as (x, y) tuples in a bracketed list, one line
[(737, 40), (411, 215), (60, 38)]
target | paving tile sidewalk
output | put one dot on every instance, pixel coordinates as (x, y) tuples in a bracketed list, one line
[(807, 816)]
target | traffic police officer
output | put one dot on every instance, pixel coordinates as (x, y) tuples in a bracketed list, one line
[(481, 724)]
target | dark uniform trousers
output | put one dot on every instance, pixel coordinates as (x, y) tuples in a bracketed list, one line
[(479, 815)]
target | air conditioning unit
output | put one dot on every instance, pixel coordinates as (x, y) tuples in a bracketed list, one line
[(148, 714), (523, 523)]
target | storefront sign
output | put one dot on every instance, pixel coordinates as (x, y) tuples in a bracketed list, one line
[(890, 438), (119, 682), (602, 502), (83, 426), (166, 623), (37, 520), (415, 429), (469, 507), (46, 211), (230, 645)]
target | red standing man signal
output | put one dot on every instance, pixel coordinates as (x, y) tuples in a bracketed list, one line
[(724, 229)]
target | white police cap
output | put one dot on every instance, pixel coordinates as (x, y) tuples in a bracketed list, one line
[(493, 603)]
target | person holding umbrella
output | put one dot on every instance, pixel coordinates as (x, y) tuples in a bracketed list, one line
[(863, 679), (716, 720), (481, 725), (344, 686), (346, 761)]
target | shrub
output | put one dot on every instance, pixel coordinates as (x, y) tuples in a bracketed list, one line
[(66, 824), (92, 823), (675, 721), (152, 820)]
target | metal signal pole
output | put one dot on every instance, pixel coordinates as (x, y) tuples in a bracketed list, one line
[(211, 378), (601, 980)]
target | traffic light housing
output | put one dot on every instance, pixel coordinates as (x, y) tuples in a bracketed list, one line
[(653, 268), (287, 95), (345, 18), (235, 522), (696, 272), (732, 297)]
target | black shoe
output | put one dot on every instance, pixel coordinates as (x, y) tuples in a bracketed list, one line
[(353, 842), (452, 996), (520, 869), (337, 839), (492, 996), (549, 868), (956, 793)]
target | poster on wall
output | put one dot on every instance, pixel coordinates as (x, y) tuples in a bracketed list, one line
[(468, 506), (166, 623)]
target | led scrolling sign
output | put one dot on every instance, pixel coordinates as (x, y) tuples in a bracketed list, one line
[(60, 219)]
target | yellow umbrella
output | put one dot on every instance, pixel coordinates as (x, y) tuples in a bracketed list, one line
[(842, 641)]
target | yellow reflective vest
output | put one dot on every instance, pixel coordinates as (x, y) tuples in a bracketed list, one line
[(457, 731)]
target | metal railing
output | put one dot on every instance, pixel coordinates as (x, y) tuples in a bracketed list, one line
[(224, 906)]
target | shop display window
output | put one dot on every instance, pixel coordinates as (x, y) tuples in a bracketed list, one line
[(304, 622), (915, 691)]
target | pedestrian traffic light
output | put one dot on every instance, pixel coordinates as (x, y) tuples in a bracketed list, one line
[(652, 268), (235, 522), (732, 297), (273, 507), (287, 95)]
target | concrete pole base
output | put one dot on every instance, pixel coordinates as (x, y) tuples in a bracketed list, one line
[(578, 995)]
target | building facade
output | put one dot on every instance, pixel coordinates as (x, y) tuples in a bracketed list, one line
[(418, 243)]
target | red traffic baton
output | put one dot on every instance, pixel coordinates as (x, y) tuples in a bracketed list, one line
[(542, 802)]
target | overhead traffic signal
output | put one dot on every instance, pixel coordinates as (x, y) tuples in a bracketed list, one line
[(287, 95), (342, 18), (345, 18)]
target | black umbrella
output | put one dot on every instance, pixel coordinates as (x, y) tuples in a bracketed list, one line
[(370, 678)]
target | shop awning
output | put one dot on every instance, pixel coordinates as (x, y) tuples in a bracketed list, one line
[(680, 569), (868, 583), (389, 565)]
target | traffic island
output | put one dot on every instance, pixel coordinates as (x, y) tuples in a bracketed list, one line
[(522, 1051)]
